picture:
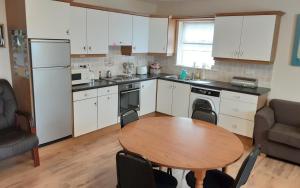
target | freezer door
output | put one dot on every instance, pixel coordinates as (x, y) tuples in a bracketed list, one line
[(53, 103), (50, 53)]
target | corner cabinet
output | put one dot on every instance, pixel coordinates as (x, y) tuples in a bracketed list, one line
[(173, 98), (89, 31), (47, 19), (120, 29), (251, 38), (148, 97)]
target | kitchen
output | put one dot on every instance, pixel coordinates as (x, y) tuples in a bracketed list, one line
[(123, 60)]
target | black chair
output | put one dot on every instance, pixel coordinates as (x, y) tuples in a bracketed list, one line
[(128, 117), (218, 179), (205, 115), (17, 132), (133, 171)]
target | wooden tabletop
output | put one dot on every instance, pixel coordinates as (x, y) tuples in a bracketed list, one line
[(182, 143)]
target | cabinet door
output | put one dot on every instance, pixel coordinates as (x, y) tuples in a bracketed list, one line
[(85, 116), (120, 29), (227, 36), (181, 100), (78, 30), (47, 19), (164, 97), (257, 37), (97, 32), (140, 34), (107, 110), (158, 35), (148, 97)]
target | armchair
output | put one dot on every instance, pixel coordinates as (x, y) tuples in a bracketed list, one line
[(277, 130), (14, 138)]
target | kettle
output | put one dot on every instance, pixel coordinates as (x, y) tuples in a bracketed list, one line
[(108, 74)]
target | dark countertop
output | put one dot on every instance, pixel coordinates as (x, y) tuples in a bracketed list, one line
[(202, 83)]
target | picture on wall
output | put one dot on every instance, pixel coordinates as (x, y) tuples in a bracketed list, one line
[(296, 49), (2, 40)]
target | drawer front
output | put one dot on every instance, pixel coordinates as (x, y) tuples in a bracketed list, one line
[(239, 97), (107, 90), (238, 109), (81, 95), (237, 125)]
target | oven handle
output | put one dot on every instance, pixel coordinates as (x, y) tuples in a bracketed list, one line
[(129, 91)]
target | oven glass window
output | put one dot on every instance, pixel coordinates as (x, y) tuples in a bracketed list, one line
[(129, 100), (76, 77)]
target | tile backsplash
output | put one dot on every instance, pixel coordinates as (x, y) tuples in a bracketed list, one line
[(113, 62), (221, 71)]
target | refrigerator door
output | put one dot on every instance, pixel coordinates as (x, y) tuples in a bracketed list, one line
[(53, 103), (50, 53)]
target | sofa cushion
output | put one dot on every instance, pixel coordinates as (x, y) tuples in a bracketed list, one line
[(285, 134), (286, 112)]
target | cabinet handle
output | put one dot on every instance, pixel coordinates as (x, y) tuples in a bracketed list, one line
[(95, 103), (68, 32), (84, 48), (90, 48), (85, 94), (108, 91), (108, 98)]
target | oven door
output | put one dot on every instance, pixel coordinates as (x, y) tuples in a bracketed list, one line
[(129, 100)]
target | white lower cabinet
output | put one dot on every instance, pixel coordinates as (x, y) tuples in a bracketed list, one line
[(85, 116), (173, 98), (107, 106), (148, 97), (107, 110)]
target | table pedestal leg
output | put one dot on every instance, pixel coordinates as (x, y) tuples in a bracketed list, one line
[(199, 175)]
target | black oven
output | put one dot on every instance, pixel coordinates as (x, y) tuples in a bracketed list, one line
[(129, 97)]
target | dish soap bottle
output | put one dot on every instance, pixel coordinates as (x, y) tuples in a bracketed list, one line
[(183, 74)]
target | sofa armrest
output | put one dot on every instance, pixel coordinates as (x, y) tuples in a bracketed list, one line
[(264, 121), (28, 118)]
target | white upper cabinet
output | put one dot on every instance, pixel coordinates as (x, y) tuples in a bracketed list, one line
[(140, 34), (257, 37), (245, 37), (89, 31), (227, 36), (97, 32), (47, 19), (78, 30), (120, 29), (158, 35)]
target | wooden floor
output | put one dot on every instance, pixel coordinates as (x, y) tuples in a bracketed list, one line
[(89, 161)]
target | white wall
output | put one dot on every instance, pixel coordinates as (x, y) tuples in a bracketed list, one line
[(5, 71), (131, 5), (286, 78)]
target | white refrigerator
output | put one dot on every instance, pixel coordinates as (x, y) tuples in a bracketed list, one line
[(52, 89)]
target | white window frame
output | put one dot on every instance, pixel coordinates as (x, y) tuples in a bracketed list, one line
[(180, 43)]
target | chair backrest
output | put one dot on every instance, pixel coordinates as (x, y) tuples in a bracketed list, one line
[(134, 171), (8, 105), (128, 117), (286, 112), (246, 168), (205, 115)]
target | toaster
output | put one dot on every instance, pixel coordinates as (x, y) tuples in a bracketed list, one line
[(244, 82)]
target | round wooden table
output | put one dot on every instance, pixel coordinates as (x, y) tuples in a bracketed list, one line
[(182, 143)]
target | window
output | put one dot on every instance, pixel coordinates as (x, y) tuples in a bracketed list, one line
[(195, 40)]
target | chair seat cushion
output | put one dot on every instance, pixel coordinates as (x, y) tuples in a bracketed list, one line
[(14, 141), (285, 134), (164, 180), (213, 179)]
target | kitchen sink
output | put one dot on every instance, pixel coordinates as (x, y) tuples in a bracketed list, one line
[(175, 77)]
